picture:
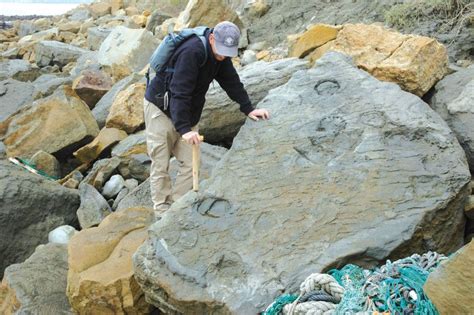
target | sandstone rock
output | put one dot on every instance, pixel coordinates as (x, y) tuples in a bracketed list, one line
[(30, 207), (62, 234), (37, 37), (42, 24), (115, 5), (86, 25), (14, 95), (140, 196), (98, 9), (133, 144), (315, 36), (258, 8), (102, 108), (449, 287), (416, 63), (206, 12), (337, 179), (20, 70), (91, 85), (57, 124), (95, 36), (101, 172), (80, 13), (70, 26), (126, 50), (452, 100), (130, 11), (221, 118), (47, 163), (126, 112), (70, 38), (38, 285), (106, 138), (94, 208), (101, 277), (53, 52), (71, 183), (139, 20), (88, 61)]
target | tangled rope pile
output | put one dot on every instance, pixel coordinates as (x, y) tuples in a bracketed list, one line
[(395, 287)]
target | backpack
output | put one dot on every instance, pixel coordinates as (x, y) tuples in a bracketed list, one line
[(163, 53)]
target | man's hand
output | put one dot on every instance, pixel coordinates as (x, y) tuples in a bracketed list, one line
[(192, 137), (258, 114)]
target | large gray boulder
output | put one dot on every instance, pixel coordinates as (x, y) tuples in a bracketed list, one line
[(221, 117), (49, 52), (38, 285), (30, 207), (93, 209), (96, 35), (14, 95), (18, 69), (348, 170), (453, 100), (141, 197), (46, 84)]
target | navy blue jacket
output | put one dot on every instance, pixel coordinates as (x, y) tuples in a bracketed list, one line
[(190, 81)]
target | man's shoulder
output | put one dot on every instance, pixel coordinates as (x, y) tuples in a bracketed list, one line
[(192, 45)]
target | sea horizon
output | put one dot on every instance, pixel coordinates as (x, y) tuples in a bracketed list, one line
[(38, 7)]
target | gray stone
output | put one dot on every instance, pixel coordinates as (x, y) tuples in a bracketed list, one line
[(126, 50), (135, 166), (46, 84), (30, 207), (46, 163), (3, 153), (127, 144), (221, 118), (95, 37), (62, 234), (79, 14), (94, 208), (124, 192), (48, 52), (101, 172), (156, 18), (453, 100), (102, 108), (39, 283), (248, 57), (26, 28), (88, 61), (131, 183), (469, 207), (348, 170), (18, 69), (113, 186), (140, 196), (14, 95)]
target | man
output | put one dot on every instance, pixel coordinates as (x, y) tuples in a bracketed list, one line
[(171, 123)]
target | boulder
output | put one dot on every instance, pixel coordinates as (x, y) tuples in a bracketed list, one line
[(452, 99), (102, 108), (101, 278), (207, 12), (141, 197), (317, 35), (49, 52), (32, 39), (38, 285), (101, 172), (415, 63), (62, 234), (60, 123), (46, 84), (106, 138), (91, 85), (126, 50), (126, 112), (95, 37), (221, 118), (98, 9), (46, 163), (156, 18), (86, 62), (70, 26), (353, 166), (79, 13), (449, 287), (18, 69), (134, 160), (14, 95), (113, 186), (30, 207), (248, 57), (94, 208)]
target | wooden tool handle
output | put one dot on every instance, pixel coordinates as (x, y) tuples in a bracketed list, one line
[(196, 162)]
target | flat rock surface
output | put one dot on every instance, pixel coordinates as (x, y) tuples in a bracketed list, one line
[(349, 169)]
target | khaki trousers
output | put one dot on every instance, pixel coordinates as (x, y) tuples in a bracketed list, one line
[(163, 141)]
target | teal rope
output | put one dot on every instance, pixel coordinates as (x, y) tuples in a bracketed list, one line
[(276, 307)]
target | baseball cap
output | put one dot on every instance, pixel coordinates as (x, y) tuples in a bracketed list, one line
[(227, 36)]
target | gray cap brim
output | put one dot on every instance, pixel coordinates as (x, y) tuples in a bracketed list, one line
[(226, 51)]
